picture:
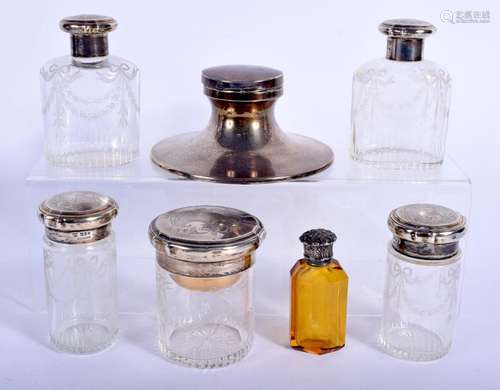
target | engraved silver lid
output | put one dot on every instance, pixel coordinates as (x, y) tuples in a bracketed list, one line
[(426, 231), (89, 37), (242, 82), (77, 217), (405, 38), (206, 241), (318, 245)]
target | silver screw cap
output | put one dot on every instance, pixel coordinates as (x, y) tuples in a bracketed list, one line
[(405, 38), (89, 35)]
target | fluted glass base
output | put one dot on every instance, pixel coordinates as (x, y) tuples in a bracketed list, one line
[(397, 158), (413, 342), (93, 158), (83, 338), (205, 346)]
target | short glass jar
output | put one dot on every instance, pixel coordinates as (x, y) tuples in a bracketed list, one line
[(422, 282), (204, 282), (80, 271)]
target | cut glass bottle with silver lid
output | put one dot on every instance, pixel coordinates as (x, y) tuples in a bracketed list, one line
[(80, 271), (204, 258), (90, 99), (422, 281), (400, 104)]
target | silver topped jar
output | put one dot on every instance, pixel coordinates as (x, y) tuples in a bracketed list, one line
[(90, 99), (422, 281), (204, 258), (400, 103), (80, 271), (243, 142)]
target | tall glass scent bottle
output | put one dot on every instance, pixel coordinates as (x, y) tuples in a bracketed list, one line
[(400, 103), (80, 271), (318, 296), (422, 281), (90, 99)]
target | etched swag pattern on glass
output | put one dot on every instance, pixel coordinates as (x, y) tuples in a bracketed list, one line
[(91, 111), (81, 295), (404, 279), (400, 113), (420, 307)]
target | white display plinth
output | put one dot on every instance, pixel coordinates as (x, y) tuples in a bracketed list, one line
[(351, 199)]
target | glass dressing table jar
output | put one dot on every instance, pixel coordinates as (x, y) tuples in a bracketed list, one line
[(204, 258), (80, 271), (422, 281)]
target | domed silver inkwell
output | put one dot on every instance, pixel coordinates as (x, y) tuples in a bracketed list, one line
[(242, 143)]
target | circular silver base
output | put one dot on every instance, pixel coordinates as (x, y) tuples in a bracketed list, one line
[(198, 155)]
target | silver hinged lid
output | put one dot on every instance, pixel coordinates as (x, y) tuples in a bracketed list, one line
[(206, 241), (77, 216), (426, 230)]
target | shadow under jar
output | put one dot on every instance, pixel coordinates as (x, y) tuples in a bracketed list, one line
[(422, 282), (80, 271), (400, 104), (90, 99), (204, 283)]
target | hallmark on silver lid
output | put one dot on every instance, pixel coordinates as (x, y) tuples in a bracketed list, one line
[(206, 241), (77, 217)]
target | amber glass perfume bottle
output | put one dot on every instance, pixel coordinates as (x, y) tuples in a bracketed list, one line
[(319, 296)]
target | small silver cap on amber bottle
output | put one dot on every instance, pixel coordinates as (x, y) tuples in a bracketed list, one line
[(405, 38), (426, 231), (89, 34), (318, 245)]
